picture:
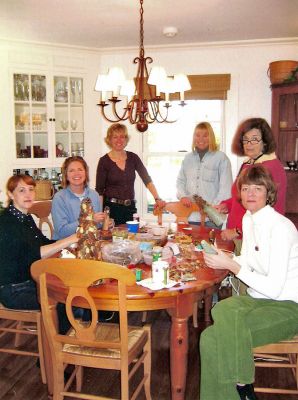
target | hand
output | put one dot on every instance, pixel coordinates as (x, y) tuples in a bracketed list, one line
[(229, 234), (73, 238), (160, 203), (99, 217), (222, 208), (221, 261), (186, 201)]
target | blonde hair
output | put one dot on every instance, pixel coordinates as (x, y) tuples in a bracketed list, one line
[(209, 129), (116, 128)]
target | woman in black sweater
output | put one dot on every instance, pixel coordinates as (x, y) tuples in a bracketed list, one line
[(22, 243)]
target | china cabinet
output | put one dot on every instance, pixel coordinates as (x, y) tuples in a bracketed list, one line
[(285, 130), (48, 118)]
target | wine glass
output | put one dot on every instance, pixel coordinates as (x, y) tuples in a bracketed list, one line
[(64, 124), (74, 124)]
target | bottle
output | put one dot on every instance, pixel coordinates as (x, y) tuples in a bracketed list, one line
[(105, 225), (156, 253), (35, 175), (212, 236)]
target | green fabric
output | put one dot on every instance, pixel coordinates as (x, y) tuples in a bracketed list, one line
[(240, 323)]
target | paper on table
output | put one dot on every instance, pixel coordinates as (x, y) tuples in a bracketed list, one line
[(67, 254), (148, 283)]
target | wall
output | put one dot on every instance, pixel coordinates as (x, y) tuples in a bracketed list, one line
[(247, 62)]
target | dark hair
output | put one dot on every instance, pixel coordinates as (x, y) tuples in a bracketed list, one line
[(66, 165), (249, 124), (257, 174), (13, 182)]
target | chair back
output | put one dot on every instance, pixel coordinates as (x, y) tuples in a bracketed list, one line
[(77, 276), (42, 210), (178, 209)]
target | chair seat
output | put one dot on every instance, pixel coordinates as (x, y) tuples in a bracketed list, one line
[(107, 332), (21, 324), (2, 307)]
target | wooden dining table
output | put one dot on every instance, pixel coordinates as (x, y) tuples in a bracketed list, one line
[(178, 301)]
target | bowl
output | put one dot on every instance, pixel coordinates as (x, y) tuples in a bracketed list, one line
[(159, 230)]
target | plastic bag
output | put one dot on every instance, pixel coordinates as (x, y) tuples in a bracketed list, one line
[(124, 252)]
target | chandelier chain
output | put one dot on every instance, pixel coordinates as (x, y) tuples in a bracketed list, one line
[(141, 29)]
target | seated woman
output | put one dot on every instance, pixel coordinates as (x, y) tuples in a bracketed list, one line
[(67, 202), (268, 264), (22, 243)]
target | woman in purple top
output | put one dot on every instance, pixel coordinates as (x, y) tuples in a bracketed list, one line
[(116, 173)]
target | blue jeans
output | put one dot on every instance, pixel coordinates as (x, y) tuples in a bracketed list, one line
[(23, 296), (20, 296)]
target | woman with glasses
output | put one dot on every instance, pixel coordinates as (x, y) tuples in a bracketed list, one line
[(66, 203), (253, 139)]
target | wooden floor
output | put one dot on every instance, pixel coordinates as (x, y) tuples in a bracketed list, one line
[(20, 377)]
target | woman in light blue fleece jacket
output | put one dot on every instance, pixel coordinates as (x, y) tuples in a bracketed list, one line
[(67, 202), (205, 171)]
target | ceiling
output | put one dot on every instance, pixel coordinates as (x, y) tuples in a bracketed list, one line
[(115, 23)]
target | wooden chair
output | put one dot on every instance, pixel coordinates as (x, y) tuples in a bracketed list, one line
[(42, 210), (92, 344), (283, 354), (22, 323), (179, 210)]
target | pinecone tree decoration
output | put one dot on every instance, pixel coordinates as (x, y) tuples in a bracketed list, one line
[(89, 246)]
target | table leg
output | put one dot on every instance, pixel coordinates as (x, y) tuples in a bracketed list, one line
[(179, 353), (179, 344)]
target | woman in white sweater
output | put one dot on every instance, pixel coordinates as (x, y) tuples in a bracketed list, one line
[(268, 264)]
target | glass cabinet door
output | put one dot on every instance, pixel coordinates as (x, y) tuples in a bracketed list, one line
[(30, 111), (69, 122)]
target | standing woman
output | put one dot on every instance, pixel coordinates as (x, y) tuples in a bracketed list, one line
[(22, 243), (66, 203), (116, 173), (205, 171), (268, 313), (253, 139)]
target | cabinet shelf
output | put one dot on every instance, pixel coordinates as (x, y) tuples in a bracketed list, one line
[(285, 111), (42, 122), (285, 130)]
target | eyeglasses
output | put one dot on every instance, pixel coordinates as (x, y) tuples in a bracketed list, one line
[(252, 141)]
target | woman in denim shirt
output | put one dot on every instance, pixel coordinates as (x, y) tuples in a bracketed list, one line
[(205, 171)]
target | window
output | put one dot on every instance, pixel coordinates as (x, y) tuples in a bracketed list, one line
[(165, 145)]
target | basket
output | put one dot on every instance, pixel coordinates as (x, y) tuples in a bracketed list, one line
[(278, 71), (44, 190)]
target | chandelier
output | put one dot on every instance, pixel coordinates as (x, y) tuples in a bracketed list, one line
[(144, 104)]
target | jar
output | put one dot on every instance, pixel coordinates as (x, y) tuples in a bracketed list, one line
[(160, 272)]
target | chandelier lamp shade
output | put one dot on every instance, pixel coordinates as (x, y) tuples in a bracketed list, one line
[(147, 95)]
